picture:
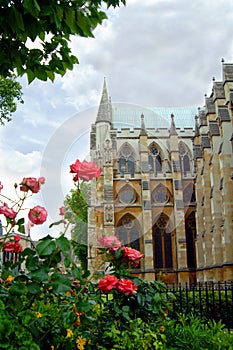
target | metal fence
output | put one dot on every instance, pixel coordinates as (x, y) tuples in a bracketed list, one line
[(206, 300)]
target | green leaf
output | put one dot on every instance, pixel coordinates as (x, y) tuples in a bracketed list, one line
[(46, 247), (22, 278), (27, 252), (32, 262), (50, 75), (33, 288), (21, 229), (17, 288), (32, 7), (59, 11), (63, 243), (83, 306), (16, 20), (40, 73), (70, 19), (60, 284), (40, 275), (20, 222), (36, 5), (30, 75)]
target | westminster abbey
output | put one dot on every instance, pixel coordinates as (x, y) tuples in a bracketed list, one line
[(167, 185)]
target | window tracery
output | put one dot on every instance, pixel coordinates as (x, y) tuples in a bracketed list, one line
[(126, 160), (184, 158), (155, 160), (128, 231), (127, 195), (161, 195), (162, 238)]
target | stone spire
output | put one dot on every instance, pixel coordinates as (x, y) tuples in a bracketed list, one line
[(143, 128), (105, 109), (173, 127)]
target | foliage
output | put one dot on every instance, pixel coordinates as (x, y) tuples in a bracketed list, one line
[(189, 332), (48, 302), (76, 214), (76, 203), (10, 93), (41, 303), (35, 34)]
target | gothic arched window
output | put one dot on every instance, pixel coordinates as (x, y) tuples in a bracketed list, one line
[(184, 158), (127, 231), (126, 160), (162, 238), (190, 232), (155, 160)]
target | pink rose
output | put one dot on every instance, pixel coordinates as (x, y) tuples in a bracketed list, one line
[(17, 238), (37, 215), (62, 210), (85, 170), (9, 213), (126, 286), (32, 184), (108, 283), (111, 242), (1, 186), (132, 256)]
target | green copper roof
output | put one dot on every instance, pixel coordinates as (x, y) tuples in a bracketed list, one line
[(157, 117)]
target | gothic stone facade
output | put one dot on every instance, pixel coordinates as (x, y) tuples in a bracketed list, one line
[(167, 192)]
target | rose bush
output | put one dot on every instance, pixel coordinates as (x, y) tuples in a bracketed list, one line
[(53, 304)]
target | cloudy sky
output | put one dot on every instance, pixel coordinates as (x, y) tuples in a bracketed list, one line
[(153, 53)]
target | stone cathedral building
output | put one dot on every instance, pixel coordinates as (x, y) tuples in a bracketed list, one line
[(166, 190)]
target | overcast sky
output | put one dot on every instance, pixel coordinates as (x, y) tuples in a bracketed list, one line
[(153, 53)]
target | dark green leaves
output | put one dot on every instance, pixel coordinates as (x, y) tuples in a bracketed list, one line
[(44, 22), (60, 283)]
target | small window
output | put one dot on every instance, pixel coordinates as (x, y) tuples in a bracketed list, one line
[(155, 160), (126, 161), (161, 194), (184, 158), (127, 195)]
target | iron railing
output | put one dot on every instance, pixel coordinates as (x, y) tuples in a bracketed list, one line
[(210, 300)]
